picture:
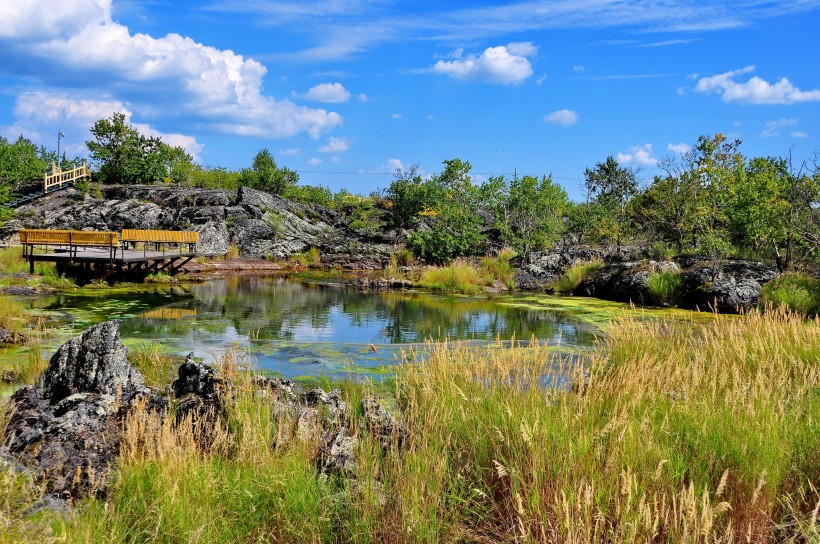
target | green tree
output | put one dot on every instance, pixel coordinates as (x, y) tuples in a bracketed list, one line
[(454, 227), (534, 213), (406, 195), (669, 207), (611, 186), (125, 156), (20, 163), (265, 175)]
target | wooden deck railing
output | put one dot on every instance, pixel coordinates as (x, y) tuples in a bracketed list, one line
[(161, 237), (58, 177), (69, 238)]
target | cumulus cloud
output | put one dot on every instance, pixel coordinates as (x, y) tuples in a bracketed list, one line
[(502, 64), (362, 97), (578, 68), (680, 148), (639, 155), (289, 152), (799, 134), (38, 111), (773, 127), (313, 161), (330, 93), (335, 145), (394, 164), (563, 118), (78, 42), (754, 91)]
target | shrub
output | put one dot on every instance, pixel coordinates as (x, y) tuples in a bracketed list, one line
[(574, 275), (233, 251), (796, 292), (664, 287), (310, 258), (404, 257), (459, 277), (499, 267)]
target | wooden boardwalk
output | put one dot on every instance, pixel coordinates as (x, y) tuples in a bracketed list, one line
[(122, 261), (103, 255)]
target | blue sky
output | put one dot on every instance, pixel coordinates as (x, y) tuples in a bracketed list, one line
[(345, 91)]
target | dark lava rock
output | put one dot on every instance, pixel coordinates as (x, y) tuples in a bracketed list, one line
[(67, 434), (95, 362), (337, 454), (20, 290), (8, 336), (382, 424), (732, 287), (544, 269), (625, 281), (198, 389)]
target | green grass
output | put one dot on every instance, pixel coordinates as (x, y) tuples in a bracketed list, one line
[(679, 434), (499, 267), (794, 291), (664, 287), (156, 365), (574, 275), (13, 315), (458, 277), (310, 258)]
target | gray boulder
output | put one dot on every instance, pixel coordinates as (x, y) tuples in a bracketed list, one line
[(95, 362)]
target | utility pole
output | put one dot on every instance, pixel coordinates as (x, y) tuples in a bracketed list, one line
[(60, 135)]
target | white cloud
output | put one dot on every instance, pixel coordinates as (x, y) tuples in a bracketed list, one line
[(78, 43), (563, 118), (289, 152), (396, 116), (680, 148), (799, 134), (756, 90), (502, 64), (394, 164), (578, 68), (773, 127), (335, 145), (362, 97), (639, 155), (37, 112), (313, 161), (329, 93)]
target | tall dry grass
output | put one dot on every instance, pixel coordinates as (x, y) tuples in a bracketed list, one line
[(663, 434), (707, 435)]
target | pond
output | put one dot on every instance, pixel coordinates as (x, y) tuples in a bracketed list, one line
[(298, 329)]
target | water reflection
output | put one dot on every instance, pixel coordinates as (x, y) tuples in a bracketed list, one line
[(309, 329)]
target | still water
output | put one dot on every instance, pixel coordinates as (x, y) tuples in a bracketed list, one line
[(301, 329)]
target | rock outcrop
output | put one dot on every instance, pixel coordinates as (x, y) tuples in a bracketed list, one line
[(734, 285), (67, 433), (259, 224), (95, 362)]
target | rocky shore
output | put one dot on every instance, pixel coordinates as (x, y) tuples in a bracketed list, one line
[(68, 432), (264, 228), (258, 224)]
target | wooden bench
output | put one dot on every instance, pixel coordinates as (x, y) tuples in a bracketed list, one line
[(161, 237), (71, 239)]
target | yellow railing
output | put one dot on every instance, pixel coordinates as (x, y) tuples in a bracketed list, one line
[(68, 238), (58, 177), (160, 236)]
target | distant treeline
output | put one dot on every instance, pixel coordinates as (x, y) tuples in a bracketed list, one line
[(712, 200)]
